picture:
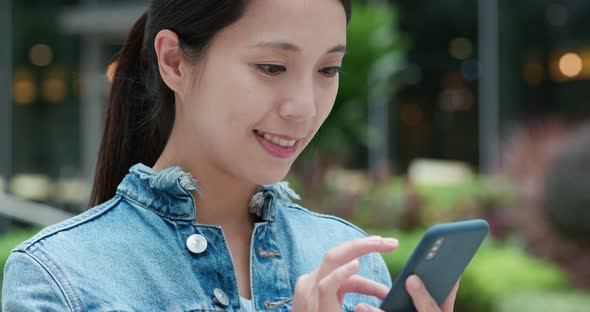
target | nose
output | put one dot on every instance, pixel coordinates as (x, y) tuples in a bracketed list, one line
[(301, 104)]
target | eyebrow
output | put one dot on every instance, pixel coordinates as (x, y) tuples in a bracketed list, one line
[(287, 46)]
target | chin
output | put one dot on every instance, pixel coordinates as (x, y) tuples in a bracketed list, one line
[(269, 175)]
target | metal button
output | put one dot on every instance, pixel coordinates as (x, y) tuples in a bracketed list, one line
[(220, 297), (196, 243)]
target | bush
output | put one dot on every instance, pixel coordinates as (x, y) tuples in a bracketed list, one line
[(496, 272), (10, 240), (565, 193), (545, 302), (546, 161)]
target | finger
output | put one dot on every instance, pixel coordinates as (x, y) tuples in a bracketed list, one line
[(449, 304), (327, 287), (353, 249), (303, 288), (362, 285), (420, 296), (363, 307)]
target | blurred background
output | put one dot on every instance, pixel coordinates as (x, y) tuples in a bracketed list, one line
[(447, 110)]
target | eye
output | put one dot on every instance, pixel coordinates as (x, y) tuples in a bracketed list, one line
[(331, 71), (271, 69)]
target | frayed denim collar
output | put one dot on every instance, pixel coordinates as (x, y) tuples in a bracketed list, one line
[(168, 193)]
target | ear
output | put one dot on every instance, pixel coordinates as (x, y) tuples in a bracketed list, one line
[(170, 60)]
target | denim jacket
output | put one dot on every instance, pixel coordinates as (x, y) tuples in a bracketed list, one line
[(143, 251)]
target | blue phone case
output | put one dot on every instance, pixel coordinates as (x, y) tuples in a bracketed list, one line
[(440, 270)]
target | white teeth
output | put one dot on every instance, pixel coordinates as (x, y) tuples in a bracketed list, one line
[(277, 140)]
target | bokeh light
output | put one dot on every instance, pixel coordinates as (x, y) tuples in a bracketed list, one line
[(557, 15), (54, 85), (41, 55), (570, 64), (460, 48), (24, 88)]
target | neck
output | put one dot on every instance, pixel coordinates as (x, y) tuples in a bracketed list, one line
[(223, 201), (223, 198)]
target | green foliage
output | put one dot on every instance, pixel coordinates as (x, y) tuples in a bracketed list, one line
[(496, 272), (10, 240), (372, 42), (470, 199), (400, 204), (445, 197), (381, 205), (445, 203), (499, 271), (545, 302)]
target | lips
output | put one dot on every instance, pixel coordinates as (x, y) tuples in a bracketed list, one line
[(283, 141), (282, 146), (279, 139)]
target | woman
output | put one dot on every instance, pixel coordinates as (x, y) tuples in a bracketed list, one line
[(228, 92)]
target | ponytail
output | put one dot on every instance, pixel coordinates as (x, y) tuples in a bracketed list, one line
[(139, 115)]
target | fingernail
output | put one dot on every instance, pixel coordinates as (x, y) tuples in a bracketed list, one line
[(374, 239), (414, 282), (391, 242), (362, 308), (352, 265)]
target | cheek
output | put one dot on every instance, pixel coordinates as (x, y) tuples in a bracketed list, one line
[(245, 94), (325, 102), (326, 99), (249, 104), (232, 96)]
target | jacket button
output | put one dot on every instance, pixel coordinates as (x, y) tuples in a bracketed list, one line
[(220, 297), (196, 243)]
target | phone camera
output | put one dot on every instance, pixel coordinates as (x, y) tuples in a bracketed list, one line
[(435, 248)]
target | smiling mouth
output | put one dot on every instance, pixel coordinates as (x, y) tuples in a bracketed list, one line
[(277, 140)]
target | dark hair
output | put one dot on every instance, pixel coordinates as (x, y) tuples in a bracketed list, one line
[(140, 112)]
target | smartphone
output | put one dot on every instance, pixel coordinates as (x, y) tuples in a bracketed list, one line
[(440, 258)]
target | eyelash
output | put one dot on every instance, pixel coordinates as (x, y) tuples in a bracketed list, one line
[(268, 69)]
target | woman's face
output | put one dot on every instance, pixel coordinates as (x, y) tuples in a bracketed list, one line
[(264, 88)]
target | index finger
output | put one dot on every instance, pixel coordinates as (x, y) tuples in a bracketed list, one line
[(353, 249)]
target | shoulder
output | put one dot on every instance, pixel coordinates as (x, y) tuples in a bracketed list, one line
[(295, 214), (34, 276), (300, 214), (28, 285), (80, 222), (43, 271)]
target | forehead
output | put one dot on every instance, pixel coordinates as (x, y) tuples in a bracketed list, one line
[(309, 24)]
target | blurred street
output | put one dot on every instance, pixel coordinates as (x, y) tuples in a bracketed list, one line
[(447, 110)]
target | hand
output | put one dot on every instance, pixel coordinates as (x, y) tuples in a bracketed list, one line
[(421, 298), (324, 289)]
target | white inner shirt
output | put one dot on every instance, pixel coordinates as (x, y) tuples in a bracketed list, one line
[(246, 304)]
